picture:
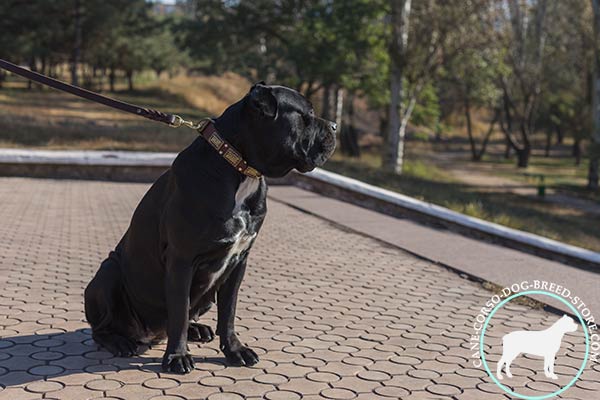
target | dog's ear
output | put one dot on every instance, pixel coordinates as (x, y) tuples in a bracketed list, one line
[(262, 100)]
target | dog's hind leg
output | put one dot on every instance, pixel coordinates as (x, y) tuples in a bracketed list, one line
[(507, 369), (103, 303)]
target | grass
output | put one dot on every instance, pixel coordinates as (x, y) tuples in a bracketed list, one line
[(427, 182), (56, 120), (522, 300)]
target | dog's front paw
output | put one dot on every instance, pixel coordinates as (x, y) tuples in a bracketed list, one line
[(236, 353), (552, 376), (242, 356), (200, 333), (179, 363)]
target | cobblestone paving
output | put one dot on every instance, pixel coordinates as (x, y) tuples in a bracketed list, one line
[(332, 314)]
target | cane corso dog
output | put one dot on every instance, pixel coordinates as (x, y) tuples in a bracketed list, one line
[(188, 241)]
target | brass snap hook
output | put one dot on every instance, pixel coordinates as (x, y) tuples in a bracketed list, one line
[(178, 121)]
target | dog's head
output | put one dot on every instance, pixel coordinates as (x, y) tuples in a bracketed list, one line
[(286, 133), (567, 324)]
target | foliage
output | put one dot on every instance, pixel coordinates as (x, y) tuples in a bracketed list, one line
[(116, 34), (427, 109), (307, 45)]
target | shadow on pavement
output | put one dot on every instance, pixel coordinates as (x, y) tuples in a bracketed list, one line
[(31, 358)]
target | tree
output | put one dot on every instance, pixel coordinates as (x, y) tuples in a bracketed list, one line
[(595, 148), (307, 45), (565, 108), (131, 42), (423, 36), (49, 33), (524, 37), (469, 79), (163, 53), (76, 41), (398, 118)]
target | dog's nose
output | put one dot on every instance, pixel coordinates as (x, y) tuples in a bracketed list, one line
[(333, 126)]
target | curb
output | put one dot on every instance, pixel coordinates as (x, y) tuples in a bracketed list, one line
[(148, 166), (398, 205), (125, 166)]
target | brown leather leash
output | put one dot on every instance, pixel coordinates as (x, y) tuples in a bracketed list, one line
[(205, 127)]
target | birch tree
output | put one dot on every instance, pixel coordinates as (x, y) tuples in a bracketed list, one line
[(595, 145), (398, 116)]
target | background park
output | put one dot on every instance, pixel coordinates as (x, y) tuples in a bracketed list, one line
[(491, 104)]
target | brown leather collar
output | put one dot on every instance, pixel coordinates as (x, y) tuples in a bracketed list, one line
[(207, 130)]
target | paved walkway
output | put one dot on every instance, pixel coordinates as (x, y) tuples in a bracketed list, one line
[(333, 314), (487, 261)]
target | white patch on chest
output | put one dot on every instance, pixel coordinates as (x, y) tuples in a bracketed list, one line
[(242, 238)]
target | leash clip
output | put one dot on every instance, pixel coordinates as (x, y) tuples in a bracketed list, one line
[(178, 122)]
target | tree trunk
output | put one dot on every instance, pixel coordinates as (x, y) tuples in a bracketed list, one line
[(111, 79), (560, 136), (595, 145), (467, 108), (339, 108), (508, 128), (326, 106), (77, 44), (593, 173), (524, 153), (523, 157), (129, 74), (101, 77), (32, 67), (507, 149), (349, 136), (43, 65), (548, 143), (479, 155), (395, 145), (400, 17), (577, 151), (383, 123)]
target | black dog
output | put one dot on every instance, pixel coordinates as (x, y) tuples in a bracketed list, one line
[(189, 237)]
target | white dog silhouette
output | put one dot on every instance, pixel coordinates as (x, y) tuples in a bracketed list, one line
[(538, 343)]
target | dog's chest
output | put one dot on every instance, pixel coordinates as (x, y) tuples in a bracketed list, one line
[(244, 233)]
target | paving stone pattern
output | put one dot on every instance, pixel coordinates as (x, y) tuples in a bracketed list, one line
[(332, 314)]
